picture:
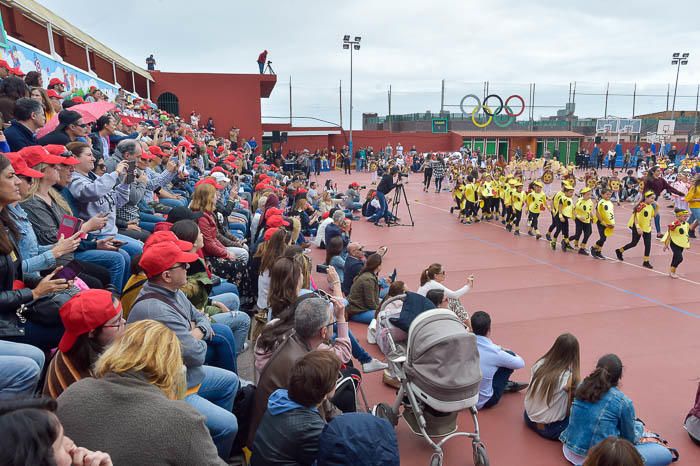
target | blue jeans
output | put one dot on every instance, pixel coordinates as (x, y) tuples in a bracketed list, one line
[(221, 349), (383, 211), (20, 369), (148, 226), (151, 218), (214, 400), (118, 263), (173, 202), (238, 322), (364, 317), (223, 287), (499, 382), (358, 165), (654, 454), (550, 431)]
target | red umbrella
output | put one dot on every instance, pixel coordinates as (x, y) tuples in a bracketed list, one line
[(90, 112)]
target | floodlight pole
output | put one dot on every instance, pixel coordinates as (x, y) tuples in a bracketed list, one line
[(677, 59), (351, 45)]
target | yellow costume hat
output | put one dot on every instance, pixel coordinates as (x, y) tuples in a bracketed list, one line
[(585, 190), (649, 193), (538, 183), (682, 212)]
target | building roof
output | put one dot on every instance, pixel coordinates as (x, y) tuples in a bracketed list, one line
[(518, 134), (43, 14)]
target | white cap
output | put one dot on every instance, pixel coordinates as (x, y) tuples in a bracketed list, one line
[(219, 177)]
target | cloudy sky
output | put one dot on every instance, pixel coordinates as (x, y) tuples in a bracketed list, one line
[(412, 45)]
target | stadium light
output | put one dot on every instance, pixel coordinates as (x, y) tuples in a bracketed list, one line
[(346, 46), (677, 59)]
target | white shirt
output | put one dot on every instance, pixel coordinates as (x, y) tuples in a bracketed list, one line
[(536, 407), (399, 150), (491, 357), (263, 289), (434, 285)]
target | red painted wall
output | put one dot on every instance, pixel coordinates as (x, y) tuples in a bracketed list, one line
[(423, 141), (230, 99)]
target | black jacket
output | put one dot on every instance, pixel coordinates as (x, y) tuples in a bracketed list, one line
[(19, 136), (55, 137), (289, 439), (11, 300), (386, 184)]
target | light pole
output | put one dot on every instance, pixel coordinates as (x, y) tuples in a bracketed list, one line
[(350, 45), (677, 59)]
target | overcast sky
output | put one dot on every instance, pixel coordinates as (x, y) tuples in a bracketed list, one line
[(412, 45)]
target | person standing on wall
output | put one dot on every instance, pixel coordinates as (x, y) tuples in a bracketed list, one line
[(262, 58)]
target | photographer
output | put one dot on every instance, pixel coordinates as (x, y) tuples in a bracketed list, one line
[(386, 184), (351, 201)]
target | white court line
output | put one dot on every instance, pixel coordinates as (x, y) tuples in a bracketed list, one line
[(609, 259)]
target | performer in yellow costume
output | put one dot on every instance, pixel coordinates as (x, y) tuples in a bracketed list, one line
[(536, 203), (565, 212), (605, 221), (678, 239), (583, 212), (517, 197), (640, 224)]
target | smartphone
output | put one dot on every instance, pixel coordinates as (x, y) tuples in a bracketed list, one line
[(69, 271), (325, 295), (69, 226), (117, 244), (130, 171)]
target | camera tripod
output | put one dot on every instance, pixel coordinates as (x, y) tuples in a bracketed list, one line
[(400, 192), (268, 69)]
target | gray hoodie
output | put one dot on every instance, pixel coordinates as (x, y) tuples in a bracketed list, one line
[(98, 195)]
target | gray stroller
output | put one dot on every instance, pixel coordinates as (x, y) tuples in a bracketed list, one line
[(438, 367)]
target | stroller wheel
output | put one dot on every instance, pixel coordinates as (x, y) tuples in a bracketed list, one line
[(436, 459), (480, 456), (384, 411)]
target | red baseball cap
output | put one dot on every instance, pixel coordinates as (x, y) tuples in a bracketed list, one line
[(147, 155), (210, 181), (155, 150), (262, 186), (269, 232), (219, 170), (355, 184), (61, 151), (21, 167), (78, 100), (273, 211), (84, 312), (276, 221), (160, 257), (34, 155), (53, 94), (17, 71), (55, 81), (167, 235)]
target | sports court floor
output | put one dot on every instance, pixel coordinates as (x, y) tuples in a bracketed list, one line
[(533, 294)]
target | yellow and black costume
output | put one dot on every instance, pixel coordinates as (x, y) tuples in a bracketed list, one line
[(640, 224)]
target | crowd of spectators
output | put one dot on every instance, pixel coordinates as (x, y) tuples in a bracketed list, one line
[(141, 255)]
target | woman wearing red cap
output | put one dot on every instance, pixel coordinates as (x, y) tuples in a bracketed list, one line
[(92, 319)]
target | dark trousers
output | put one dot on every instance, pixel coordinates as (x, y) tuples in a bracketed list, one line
[(582, 229), (635, 240), (438, 184), (601, 233), (221, 349), (550, 431), (427, 175), (532, 219), (500, 379), (677, 254)]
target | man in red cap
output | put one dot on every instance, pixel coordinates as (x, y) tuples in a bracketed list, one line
[(92, 319), (57, 85), (55, 99), (210, 390)]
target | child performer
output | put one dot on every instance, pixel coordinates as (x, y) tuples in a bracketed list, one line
[(517, 197), (457, 195), (565, 212), (605, 221), (677, 238), (556, 200), (536, 203), (583, 212), (471, 207), (640, 224)]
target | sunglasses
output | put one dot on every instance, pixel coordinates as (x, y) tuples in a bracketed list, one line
[(184, 265), (83, 125), (101, 165)]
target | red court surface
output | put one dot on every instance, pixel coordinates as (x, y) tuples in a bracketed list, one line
[(533, 294)]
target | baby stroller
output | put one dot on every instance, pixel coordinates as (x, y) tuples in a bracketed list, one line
[(438, 368)]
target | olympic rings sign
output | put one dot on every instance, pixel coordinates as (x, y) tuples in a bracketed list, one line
[(493, 115)]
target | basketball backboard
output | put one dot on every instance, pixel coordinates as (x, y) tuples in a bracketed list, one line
[(630, 125), (606, 125), (666, 127)]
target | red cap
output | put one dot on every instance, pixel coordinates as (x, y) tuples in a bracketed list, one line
[(273, 211), (269, 232), (159, 257), (53, 94), (264, 176), (93, 88), (276, 221), (21, 167), (219, 149), (59, 150), (301, 191), (78, 100), (355, 184), (167, 144), (325, 215), (55, 81), (84, 312), (210, 181), (167, 235), (262, 186), (34, 155), (4, 64), (219, 170), (17, 71), (258, 159), (156, 150)]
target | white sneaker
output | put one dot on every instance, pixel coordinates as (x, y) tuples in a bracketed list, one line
[(373, 366)]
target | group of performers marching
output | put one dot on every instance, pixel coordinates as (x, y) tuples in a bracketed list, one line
[(494, 196)]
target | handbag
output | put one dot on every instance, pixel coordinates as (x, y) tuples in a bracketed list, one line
[(44, 310)]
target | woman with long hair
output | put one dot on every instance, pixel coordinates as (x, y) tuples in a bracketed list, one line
[(363, 298), (267, 254), (653, 181), (614, 451), (334, 257), (139, 379), (92, 319), (32, 434), (555, 376), (40, 95), (601, 410), (433, 277)]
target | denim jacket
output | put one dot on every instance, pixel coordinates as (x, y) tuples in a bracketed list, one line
[(590, 423), (35, 257)]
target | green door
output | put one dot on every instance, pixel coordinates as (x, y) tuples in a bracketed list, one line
[(479, 146), (540, 148), (467, 143), (563, 147), (503, 149), (490, 147), (573, 149), (551, 145)]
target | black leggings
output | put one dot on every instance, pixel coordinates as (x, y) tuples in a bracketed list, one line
[(438, 183), (677, 254), (582, 228), (562, 227), (555, 222), (516, 215), (427, 175), (635, 240), (601, 233), (532, 219)]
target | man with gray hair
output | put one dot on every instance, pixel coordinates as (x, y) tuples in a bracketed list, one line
[(313, 329), (128, 149), (29, 117), (339, 227)]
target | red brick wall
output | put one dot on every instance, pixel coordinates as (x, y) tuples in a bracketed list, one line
[(377, 139)]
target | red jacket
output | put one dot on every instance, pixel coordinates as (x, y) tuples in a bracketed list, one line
[(212, 246), (262, 57)]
